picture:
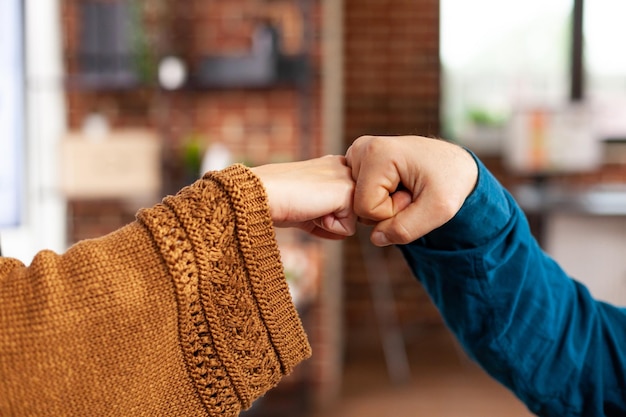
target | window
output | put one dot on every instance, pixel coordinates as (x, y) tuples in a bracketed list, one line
[(497, 54), (604, 33), (11, 112), (605, 65)]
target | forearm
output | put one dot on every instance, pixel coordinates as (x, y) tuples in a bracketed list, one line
[(518, 314), (81, 332), (184, 312)]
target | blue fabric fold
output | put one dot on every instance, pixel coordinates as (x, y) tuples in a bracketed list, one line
[(517, 313)]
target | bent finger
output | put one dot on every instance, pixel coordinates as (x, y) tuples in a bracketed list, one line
[(416, 220)]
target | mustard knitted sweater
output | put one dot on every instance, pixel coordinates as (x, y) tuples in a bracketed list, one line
[(184, 312)]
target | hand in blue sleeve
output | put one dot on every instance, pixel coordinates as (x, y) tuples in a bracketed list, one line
[(528, 324)]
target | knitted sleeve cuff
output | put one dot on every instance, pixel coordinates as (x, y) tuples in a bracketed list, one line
[(239, 329)]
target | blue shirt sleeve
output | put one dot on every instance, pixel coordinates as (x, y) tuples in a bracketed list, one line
[(518, 314)]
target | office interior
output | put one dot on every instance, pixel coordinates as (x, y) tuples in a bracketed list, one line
[(109, 105)]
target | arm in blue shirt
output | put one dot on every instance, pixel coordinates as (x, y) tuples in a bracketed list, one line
[(518, 314)]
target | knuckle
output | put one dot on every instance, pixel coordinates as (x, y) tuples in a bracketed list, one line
[(374, 144), (361, 210), (365, 211), (447, 207), (367, 143), (363, 138)]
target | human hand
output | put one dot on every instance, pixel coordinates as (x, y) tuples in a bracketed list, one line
[(313, 195), (408, 185)]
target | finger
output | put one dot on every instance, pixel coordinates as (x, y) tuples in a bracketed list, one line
[(353, 158), (373, 190), (401, 199), (345, 226), (420, 217), (342, 220), (375, 171), (332, 225), (325, 234), (352, 162)]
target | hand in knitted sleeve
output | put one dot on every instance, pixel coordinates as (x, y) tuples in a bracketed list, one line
[(184, 312), (314, 195)]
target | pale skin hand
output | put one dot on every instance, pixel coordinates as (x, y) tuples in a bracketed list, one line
[(314, 195), (408, 186)]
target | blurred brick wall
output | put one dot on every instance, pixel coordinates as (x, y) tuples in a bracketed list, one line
[(258, 124), (392, 82), (392, 69)]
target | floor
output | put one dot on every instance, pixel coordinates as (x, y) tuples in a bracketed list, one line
[(444, 383)]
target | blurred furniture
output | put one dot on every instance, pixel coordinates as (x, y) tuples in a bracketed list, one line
[(591, 249), (584, 230), (392, 339), (123, 164)]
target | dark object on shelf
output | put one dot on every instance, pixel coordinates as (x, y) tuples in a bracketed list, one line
[(112, 51), (105, 47), (263, 66)]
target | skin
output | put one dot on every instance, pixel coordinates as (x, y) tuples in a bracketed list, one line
[(314, 195), (407, 186)]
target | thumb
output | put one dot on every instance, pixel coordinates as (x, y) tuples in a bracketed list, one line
[(414, 220)]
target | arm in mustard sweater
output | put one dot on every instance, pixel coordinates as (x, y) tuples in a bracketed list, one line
[(184, 312)]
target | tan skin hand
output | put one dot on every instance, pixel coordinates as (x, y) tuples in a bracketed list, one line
[(408, 186), (314, 195)]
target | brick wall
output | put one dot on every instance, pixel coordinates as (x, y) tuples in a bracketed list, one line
[(392, 86), (392, 67), (258, 124)]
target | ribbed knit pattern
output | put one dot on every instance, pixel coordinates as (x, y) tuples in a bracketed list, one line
[(185, 312)]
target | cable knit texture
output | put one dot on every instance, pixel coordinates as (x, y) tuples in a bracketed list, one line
[(184, 312)]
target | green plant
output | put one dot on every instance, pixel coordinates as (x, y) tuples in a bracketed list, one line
[(483, 117), (143, 55), (192, 152)]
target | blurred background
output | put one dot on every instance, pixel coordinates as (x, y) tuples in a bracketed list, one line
[(108, 105)]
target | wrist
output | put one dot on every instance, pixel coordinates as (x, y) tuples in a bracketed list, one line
[(485, 211), (264, 176)]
